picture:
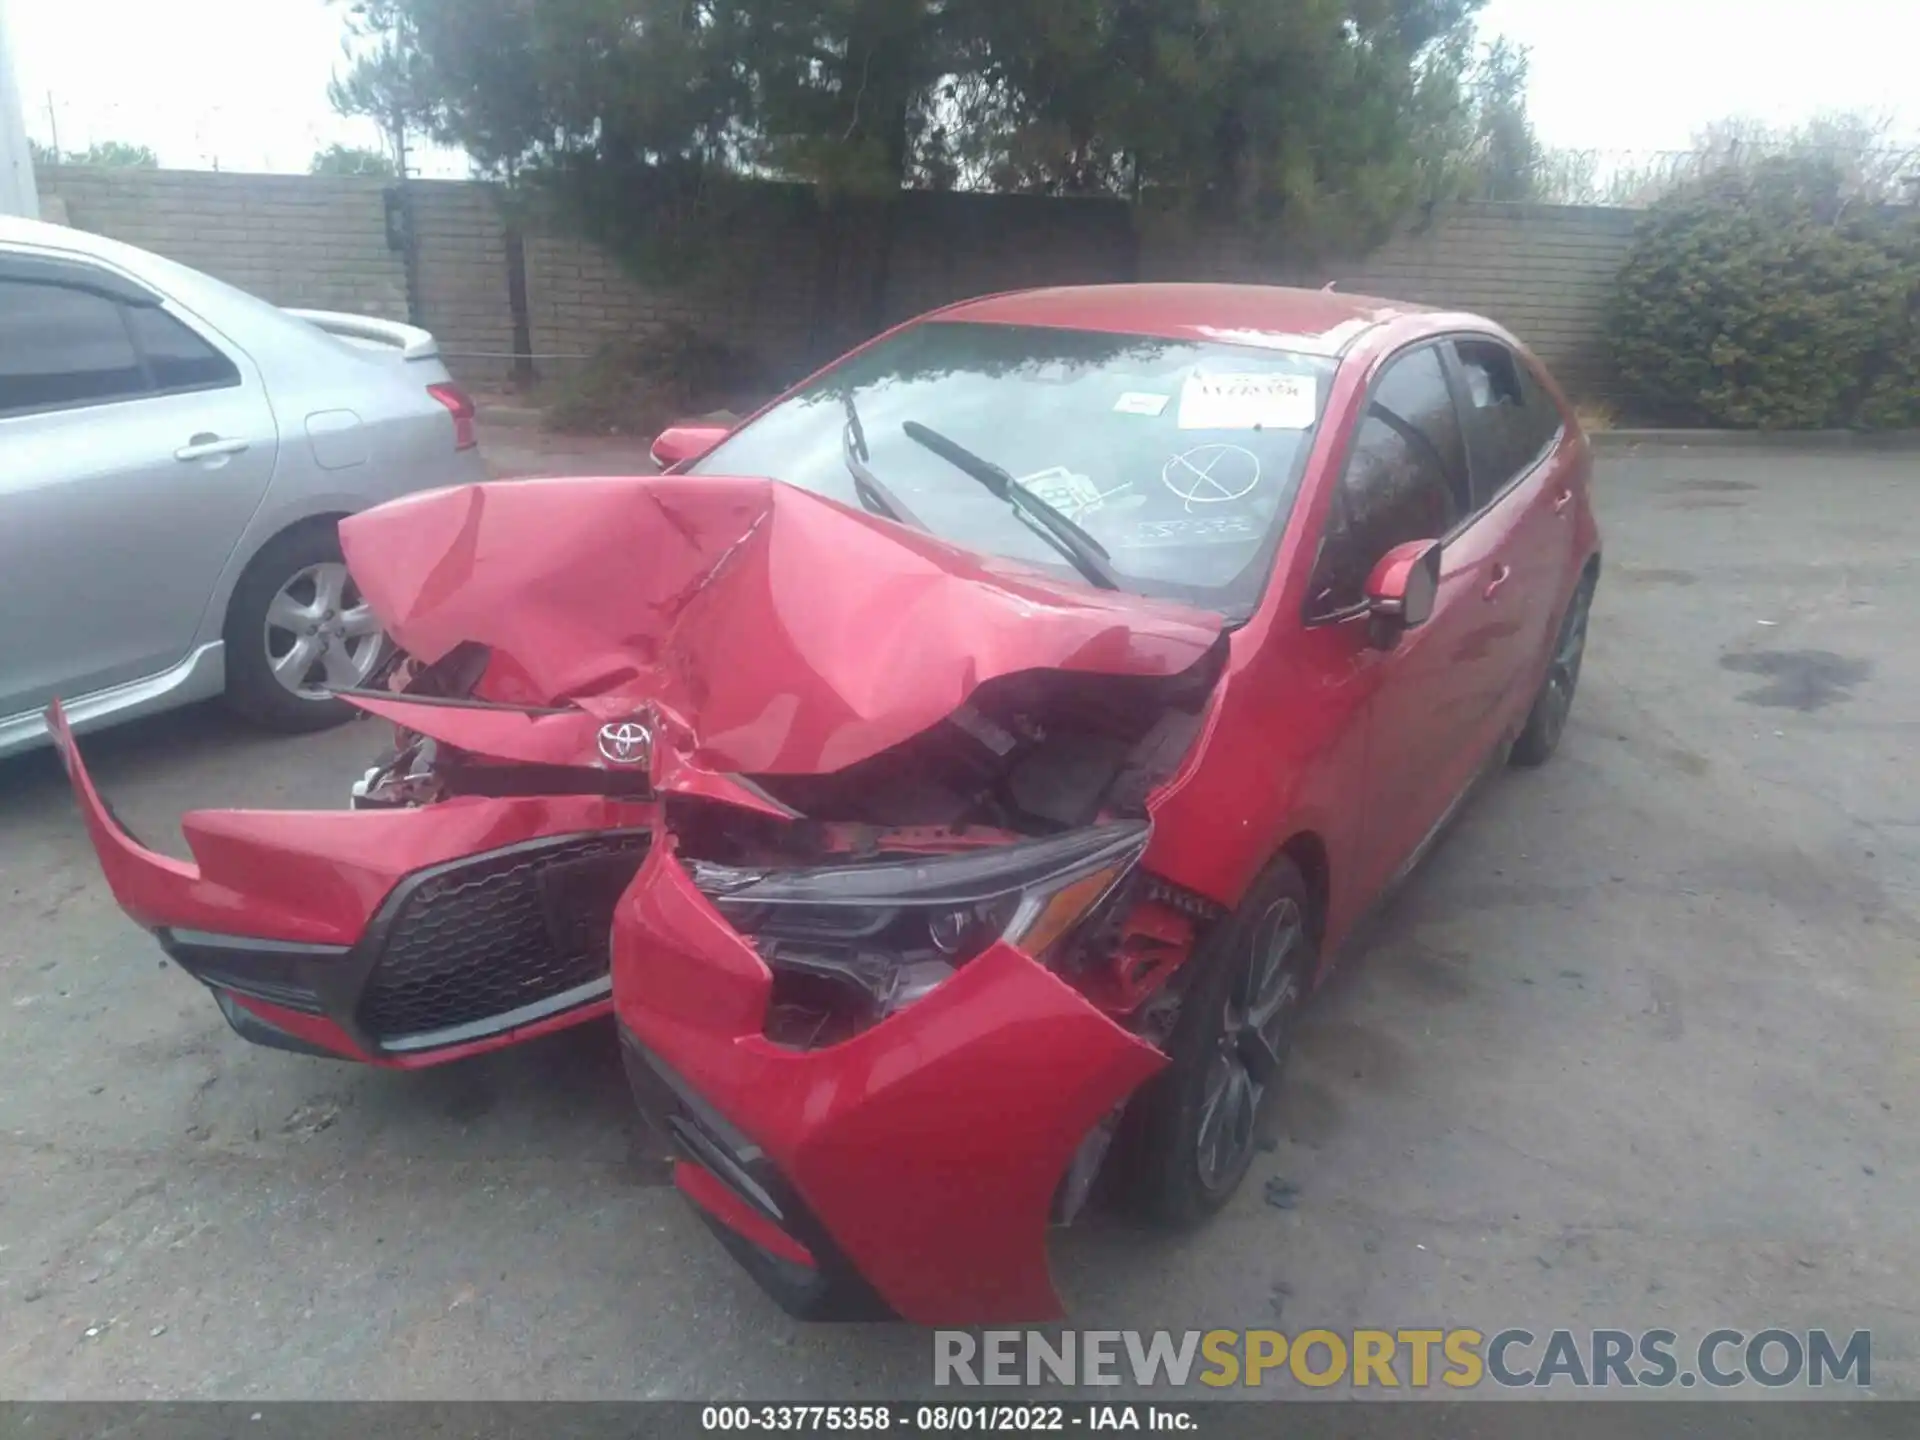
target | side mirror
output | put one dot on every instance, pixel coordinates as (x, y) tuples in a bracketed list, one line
[(678, 444), (1401, 591)]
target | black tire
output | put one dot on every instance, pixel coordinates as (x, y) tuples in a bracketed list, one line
[(252, 690), (1547, 721), (1166, 1174)]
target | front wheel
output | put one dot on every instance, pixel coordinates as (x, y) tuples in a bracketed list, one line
[(1193, 1133), (298, 630)]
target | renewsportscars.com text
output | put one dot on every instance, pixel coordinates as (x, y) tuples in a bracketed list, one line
[(1456, 1359)]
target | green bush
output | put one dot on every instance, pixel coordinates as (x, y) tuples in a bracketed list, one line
[(639, 385), (1892, 398), (1757, 298)]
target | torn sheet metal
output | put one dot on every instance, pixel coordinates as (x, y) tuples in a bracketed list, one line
[(929, 1146), (309, 876), (756, 628)]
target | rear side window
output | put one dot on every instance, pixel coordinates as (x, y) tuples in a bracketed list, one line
[(61, 347), (1511, 420), (67, 346), (177, 358), (1400, 483)]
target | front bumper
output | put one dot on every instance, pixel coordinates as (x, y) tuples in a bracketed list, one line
[(402, 938), (909, 1170), (914, 1164), (475, 953)]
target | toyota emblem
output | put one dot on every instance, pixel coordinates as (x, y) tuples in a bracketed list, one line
[(628, 743)]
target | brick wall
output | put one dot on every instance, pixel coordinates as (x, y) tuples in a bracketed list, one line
[(296, 240), (789, 292), (758, 296), (1543, 271), (462, 276), (953, 247)]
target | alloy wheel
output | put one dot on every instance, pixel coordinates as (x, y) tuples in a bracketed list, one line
[(1255, 1036), (320, 634), (1563, 672)]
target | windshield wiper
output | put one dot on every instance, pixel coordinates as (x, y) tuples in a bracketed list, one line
[(874, 493), (1088, 555)]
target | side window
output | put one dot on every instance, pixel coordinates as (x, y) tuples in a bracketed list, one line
[(177, 358), (1405, 480), (62, 347), (1413, 399), (1510, 419)]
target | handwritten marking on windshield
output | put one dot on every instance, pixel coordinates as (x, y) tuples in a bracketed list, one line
[(1212, 475)]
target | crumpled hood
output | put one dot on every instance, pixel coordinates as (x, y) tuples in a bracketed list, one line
[(762, 630)]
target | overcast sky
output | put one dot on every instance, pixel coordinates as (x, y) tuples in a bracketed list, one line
[(242, 83)]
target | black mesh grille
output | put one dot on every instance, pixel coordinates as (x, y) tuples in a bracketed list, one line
[(496, 933)]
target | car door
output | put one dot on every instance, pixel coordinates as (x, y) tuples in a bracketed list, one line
[(1406, 478), (135, 444), (1521, 492)]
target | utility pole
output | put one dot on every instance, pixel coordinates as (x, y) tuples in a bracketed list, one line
[(18, 194)]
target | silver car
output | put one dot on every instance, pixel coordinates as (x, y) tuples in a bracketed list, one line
[(175, 457)]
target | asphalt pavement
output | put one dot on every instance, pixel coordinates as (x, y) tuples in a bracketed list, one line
[(1637, 1047)]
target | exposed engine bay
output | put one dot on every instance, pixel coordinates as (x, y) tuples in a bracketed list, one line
[(1031, 755)]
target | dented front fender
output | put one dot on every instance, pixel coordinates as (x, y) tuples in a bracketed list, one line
[(929, 1146)]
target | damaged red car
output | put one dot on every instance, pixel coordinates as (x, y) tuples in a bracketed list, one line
[(953, 779)]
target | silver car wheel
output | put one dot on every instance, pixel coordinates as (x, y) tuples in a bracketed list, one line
[(321, 635)]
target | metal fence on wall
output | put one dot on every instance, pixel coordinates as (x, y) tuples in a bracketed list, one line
[(1634, 179), (216, 136)]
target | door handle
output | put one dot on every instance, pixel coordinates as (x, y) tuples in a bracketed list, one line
[(1565, 500), (208, 447), (1501, 574)]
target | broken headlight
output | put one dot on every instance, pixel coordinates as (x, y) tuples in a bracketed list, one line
[(852, 943)]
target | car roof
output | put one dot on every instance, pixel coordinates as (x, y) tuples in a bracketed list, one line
[(143, 265), (1317, 322), (214, 300), (15, 230)]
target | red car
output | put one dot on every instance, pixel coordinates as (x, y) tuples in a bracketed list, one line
[(953, 779)]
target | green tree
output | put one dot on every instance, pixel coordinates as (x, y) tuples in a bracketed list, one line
[(623, 84), (655, 123), (1507, 156), (1329, 115), (1322, 119), (386, 79), (338, 159)]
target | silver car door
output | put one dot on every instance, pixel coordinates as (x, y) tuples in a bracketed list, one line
[(135, 445)]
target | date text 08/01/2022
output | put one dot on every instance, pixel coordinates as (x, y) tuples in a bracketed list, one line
[(936, 1419)]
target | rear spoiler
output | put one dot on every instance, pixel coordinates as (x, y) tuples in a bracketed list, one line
[(409, 341)]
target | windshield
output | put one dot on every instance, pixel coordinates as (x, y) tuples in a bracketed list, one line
[(1180, 460)]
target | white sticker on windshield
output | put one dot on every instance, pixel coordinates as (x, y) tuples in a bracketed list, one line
[(1072, 495), (1139, 402), (1247, 402)]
